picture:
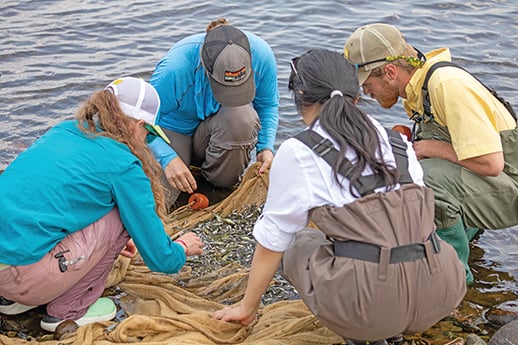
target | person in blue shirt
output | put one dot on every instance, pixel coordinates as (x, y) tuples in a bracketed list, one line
[(86, 191), (219, 101)]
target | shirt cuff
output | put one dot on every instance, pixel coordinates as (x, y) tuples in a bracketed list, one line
[(162, 151)]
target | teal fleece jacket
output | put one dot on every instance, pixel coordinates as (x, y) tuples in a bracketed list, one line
[(66, 181)]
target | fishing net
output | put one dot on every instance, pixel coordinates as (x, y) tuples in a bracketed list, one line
[(177, 309), (251, 192)]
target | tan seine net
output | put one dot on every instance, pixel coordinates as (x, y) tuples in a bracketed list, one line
[(177, 309)]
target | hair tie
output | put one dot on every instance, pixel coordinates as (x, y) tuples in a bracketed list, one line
[(336, 93)]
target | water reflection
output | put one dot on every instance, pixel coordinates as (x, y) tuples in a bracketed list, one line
[(56, 53), (501, 253)]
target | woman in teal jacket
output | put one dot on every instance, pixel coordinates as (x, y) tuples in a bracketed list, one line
[(72, 201)]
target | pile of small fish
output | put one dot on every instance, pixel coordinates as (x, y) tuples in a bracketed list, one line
[(229, 240)]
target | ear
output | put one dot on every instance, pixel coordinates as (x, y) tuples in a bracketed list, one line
[(139, 123), (390, 71)]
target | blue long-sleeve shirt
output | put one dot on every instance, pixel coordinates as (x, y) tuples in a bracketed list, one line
[(66, 181), (186, 97)]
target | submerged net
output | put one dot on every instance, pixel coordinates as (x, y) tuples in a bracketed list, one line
[(177, 309)]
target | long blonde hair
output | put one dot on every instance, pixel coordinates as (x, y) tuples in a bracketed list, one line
[(101, 115)]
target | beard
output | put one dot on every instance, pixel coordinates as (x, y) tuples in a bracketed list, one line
[(389, 96)]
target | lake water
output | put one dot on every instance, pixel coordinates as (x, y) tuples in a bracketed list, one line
[(55, 53)]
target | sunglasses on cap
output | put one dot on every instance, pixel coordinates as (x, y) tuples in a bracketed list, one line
[(413, 61)]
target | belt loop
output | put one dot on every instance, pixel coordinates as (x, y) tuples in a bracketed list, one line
[(435, 242), (16, 274), (430, 257), (384, 262)]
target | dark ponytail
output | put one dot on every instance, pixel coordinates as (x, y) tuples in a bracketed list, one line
[(320, 73)]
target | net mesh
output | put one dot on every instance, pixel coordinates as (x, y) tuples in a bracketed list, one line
[(177, 309)]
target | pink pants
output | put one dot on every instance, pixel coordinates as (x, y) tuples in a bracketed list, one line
[(69, 294)]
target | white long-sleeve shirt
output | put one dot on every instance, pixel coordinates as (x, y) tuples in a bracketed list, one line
[(300, 181)]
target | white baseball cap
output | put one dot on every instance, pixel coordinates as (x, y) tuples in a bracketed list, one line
[(139, 100)]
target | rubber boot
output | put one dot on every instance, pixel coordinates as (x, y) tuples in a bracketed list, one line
[(457, 237), (472, 232)]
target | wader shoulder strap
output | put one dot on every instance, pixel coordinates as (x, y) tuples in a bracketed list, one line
[(426, 96), (365, 184), (399, 148)]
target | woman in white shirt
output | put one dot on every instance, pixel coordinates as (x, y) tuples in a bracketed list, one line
[(376, 269)]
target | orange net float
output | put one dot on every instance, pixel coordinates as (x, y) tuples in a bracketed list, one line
[(403, 130), (198, 201)]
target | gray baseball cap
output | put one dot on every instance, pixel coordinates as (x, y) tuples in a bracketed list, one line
[(227, 58)]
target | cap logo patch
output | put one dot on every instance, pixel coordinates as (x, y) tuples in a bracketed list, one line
[(235, 76)]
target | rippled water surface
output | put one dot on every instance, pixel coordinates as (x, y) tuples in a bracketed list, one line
[(54, 54)]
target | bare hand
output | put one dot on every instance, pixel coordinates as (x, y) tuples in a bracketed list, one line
[(179, 176), (130, 250), (193, 242), (266, 157), (236, 314)]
